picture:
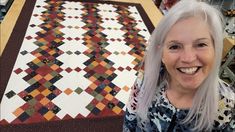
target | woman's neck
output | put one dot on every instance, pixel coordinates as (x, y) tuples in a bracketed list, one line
[(180, 97)]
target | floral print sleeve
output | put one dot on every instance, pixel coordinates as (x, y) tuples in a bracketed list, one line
[(231, 126), (130, 119), (226, 118)]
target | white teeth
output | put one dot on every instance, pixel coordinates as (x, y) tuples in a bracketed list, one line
[(190, 70)]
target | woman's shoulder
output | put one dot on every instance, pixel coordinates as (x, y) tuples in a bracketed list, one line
[(140, 78), (226, 111), (227, 92)]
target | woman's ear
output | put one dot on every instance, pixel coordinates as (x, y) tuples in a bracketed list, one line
[(163, 60)]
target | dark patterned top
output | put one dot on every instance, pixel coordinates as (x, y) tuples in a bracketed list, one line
[(164, 117)]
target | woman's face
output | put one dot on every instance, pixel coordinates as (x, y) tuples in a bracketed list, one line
[(188, 53)]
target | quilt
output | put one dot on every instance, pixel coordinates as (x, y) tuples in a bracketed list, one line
[(71, 59)]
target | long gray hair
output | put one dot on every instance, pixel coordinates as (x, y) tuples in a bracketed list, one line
[(205, 101)]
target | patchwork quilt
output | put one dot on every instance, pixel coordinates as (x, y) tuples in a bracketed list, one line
[(71, 59)]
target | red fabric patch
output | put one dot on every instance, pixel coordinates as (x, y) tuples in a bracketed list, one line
[(44, 70), (100, 69)]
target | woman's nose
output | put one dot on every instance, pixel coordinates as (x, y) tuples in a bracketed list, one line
[(188, 55)]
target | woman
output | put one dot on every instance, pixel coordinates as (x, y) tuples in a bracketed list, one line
[(179, 89)]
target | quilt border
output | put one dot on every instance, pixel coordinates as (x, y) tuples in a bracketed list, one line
[(7, 61)]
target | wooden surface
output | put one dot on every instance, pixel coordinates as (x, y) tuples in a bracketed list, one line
[(229, 43), (9, 21)]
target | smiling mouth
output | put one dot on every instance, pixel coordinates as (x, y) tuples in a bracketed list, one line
[(189, 70)]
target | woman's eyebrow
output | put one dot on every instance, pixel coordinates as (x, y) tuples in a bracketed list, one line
[(173, 41), (201, 39), (179, 42)]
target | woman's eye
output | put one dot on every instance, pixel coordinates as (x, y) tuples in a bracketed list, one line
[(201, 45), (174, 47)]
